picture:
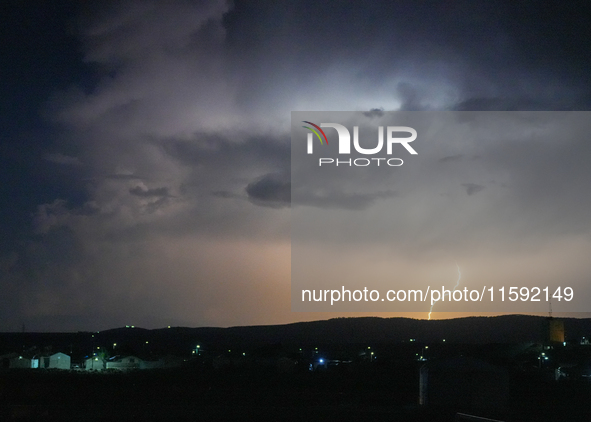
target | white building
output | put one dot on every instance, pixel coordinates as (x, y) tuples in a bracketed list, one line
[(56, 361)]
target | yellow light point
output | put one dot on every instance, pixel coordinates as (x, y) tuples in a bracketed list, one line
[(455, 287)]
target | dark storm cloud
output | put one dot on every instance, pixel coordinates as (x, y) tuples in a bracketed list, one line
[(272, 190), (185, 108), (374, 112), (472, 188)]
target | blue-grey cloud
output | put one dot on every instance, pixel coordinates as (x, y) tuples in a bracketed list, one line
[(148, 193)]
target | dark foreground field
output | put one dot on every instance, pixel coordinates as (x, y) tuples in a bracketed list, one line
[(372, 392), (206, 394)]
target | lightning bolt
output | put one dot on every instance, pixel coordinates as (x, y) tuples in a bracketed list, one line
[(455, 288)]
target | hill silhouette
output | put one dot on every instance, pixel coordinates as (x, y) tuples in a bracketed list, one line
[(369, 330)]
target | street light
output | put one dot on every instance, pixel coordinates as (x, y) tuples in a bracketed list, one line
[(423, 354)]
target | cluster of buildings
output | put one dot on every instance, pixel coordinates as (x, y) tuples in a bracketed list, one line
[(49, 361), (95, 363), (91, 363)]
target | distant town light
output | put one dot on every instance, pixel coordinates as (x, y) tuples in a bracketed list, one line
[(169, 326), (443, 339), (147, 342)]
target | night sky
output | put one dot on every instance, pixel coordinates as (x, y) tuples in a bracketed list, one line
[(145, 145)]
